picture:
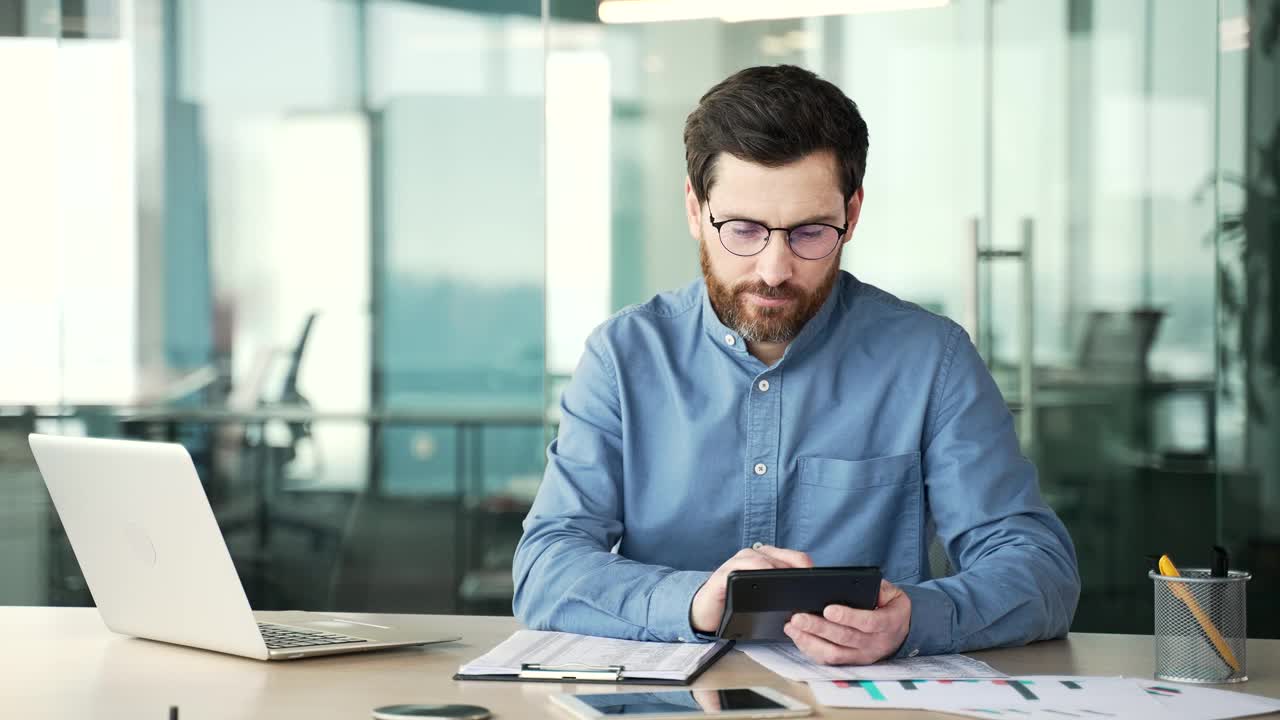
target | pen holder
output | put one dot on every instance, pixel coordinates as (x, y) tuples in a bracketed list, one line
[(1200, 627)]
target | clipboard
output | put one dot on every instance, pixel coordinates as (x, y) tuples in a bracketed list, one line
[(601, 675)]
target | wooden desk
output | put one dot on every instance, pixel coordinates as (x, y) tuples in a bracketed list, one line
[(63, 663)]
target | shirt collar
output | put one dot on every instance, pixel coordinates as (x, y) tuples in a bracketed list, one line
[(723, 335), (732, 341)]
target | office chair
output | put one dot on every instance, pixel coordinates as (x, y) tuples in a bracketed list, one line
[(290, 538)]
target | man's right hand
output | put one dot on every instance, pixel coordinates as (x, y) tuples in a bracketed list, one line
[(708, 603)]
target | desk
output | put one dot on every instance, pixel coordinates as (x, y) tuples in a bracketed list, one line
[(63, 663)]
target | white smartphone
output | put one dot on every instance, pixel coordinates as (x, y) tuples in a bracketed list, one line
[(752, 702)]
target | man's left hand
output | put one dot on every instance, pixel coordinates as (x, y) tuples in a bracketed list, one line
[(848, 636)]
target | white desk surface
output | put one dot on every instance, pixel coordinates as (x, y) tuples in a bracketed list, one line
[(63, 663)]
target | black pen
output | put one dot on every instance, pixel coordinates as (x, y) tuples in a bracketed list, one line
[(1221, 562)]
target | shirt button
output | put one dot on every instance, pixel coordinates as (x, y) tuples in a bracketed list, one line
[(729, 340), (914, 652), (764, 386), (757, 545), (761, 469), (681, 638)]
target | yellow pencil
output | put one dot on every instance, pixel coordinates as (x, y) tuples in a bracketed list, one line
[(1167, 568)]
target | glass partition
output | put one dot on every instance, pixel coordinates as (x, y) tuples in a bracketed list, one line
[(1247, 261), (305, 240), (1047, 174), (347, 253)]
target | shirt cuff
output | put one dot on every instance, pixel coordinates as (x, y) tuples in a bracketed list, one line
[(669, 606), (931, 613)]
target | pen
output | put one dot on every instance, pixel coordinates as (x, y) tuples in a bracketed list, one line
[(1220, 562), (1167, 568)]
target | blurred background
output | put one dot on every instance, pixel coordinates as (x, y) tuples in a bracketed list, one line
[(347, 253)]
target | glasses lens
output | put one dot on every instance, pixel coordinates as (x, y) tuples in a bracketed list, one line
[(743, 237), (814, 242)]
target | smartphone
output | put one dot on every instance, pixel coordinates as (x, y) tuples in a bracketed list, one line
[(752, 702), (431, 712), (759, 602)]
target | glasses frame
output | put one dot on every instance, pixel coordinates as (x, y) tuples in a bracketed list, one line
[(717, 224)]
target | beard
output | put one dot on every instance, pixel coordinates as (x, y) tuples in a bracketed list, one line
[(765, 324)]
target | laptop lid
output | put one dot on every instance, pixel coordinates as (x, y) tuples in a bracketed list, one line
[(147, 542)]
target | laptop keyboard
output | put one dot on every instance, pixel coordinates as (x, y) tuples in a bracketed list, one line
[(283, 636)]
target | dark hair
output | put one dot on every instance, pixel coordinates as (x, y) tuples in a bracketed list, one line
[(774, 115)]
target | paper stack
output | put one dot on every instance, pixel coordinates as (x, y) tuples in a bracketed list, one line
[(961, 685)]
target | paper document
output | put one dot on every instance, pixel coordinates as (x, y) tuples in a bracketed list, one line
[(1188, 702), (786, 660), (1022, 697), (659, 661)]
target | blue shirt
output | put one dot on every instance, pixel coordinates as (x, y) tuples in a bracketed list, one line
[(878, 430)]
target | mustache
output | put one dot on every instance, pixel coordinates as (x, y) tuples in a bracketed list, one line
[(785, 290)]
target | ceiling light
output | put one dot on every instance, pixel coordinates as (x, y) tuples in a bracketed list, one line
[(640, 11)]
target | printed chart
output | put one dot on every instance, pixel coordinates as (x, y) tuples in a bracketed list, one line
[(1026, 697), (1202, 703), (788, 661)]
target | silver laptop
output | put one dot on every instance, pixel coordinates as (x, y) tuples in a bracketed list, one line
[(151, 552)]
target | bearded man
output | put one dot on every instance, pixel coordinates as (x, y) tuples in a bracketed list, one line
[(779, 413)]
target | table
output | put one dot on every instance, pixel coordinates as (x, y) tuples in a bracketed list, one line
[(64, 663)]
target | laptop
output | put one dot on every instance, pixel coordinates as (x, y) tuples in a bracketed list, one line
[(154, 558)]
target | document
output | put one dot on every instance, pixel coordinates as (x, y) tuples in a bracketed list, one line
[(639, 659), (1045, 696), (1038, 696), (786, 660), (1188, 702)]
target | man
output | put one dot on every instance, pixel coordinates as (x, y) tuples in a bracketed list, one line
[(781, 413)]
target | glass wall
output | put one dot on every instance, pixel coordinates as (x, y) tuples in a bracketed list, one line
[(347, 253), (1248, 288), (304, 239), (1049, 175)]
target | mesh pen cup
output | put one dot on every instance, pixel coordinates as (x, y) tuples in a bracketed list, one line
[(1200, 626)]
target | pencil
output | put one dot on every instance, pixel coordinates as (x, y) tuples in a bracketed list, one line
[(1167, 568)]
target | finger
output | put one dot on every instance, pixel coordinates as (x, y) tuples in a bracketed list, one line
[(792, 558), (749, 559), (834, 632), (708, 700), (751, 552), (742, 564), (868, 621), (823, 651), (888, 593)]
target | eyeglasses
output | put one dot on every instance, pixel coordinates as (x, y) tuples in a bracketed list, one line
[(745, 238)]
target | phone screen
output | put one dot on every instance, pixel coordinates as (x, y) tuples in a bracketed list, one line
[(679, 701)]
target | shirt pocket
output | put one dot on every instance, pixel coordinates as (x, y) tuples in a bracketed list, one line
[(863, 512)]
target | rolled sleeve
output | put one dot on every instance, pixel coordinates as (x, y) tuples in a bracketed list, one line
[(669, 607), (932, 620)]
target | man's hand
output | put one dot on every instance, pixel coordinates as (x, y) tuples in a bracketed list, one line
[(708, 700), (708, 603), (847, 636)]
